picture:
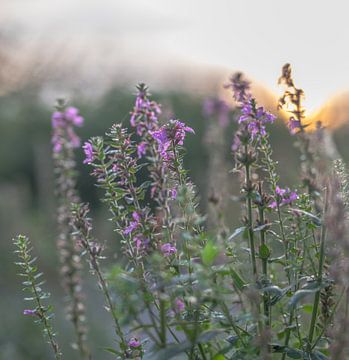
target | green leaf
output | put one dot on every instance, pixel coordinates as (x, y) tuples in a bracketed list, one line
[(315, 220), (301, 294), (264, 252), (308, 308), (237, 232), (218, 357), (209, 253), (317, 355), (237, 280), (112, 351)]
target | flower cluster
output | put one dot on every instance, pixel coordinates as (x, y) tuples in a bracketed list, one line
[(173, 133), (144, 116), (88, 150), (167, 249), (283, 197), (294, 125), (63, 123), (239, 86), (255, 118)]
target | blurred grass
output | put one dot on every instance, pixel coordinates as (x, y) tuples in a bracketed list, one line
[(27, 201)]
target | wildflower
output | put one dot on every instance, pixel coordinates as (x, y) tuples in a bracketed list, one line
[(72, 114), (141, 149), (88, 150), (294, 125), (255, 118), (30, 312), (171, 133), (283, 197), (168, 249), (133, 224), (141, 242), (134, 343), (179, 305), (144, 116), (173, 193), (216, 107), (239, 86), (63, 123)]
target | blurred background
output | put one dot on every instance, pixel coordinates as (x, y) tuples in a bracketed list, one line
[(93, 53)]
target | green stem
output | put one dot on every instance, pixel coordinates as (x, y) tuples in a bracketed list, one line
[(319, 279), (250, 221), (266, 308)]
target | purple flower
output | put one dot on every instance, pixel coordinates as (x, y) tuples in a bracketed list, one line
[(134, 343), (172, 193), (294, 125), (63, 123), (173, 132), (240, 87), (30, 312), (141, 242), (88, 150), (141, 149), (168, 249), (179, 305), (133, 224), (144, 116), (57, 119), (279, 191), (255, 118), (283, 197)]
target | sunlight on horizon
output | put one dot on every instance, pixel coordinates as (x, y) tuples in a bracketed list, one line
[(248, 36)]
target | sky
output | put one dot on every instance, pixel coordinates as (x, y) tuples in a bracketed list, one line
[(254, 36)]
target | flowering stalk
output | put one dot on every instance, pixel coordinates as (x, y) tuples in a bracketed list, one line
[(319, 277), (82, 226), (64, 140), (29, 271), (291, 101)]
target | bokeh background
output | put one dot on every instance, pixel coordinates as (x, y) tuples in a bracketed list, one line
[(93, 53)]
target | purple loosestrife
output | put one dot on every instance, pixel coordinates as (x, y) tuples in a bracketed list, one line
[(88, 150), (239, 86), (63, 122), (172, 133), (115, 166), (168, 249), (64, 142), (144, 116), (30, 312), (283, 197)]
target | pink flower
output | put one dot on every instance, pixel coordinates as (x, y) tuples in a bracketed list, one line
[(88, 150), (168, 249), (141, 149), (179, 305), (283, 197), (133, 224), (134, 343), (173, 132), (30, 312), (173, 193)]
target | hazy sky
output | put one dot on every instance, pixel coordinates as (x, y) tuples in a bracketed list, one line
[(257, 36)]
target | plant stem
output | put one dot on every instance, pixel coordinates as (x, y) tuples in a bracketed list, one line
[(319, 278), (267, 312), (250, 220)]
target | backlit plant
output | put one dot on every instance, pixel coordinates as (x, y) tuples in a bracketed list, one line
[(274, 288)]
